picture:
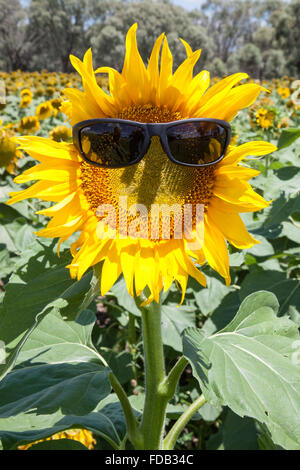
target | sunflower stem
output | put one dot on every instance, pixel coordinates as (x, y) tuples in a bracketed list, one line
[(157, 396), (170, 440)]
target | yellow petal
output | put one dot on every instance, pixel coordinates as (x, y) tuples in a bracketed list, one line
[(134, 71), (215, 249), (240, 172), (232, 227), (257, 148), (166, 68), (153, 68), (189, 50)]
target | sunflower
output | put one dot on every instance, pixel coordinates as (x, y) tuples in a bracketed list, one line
[(61, 133), (264, 118), (284, 92), (29, 125), (44, 110), (26, 92), (26, 98), (9, 154), (81, 435), (25, 102), (147, 94), (56, 104)]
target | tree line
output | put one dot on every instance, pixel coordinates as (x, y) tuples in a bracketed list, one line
[(260, 37)]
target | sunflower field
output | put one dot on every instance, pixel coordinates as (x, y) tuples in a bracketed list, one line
[(76, 343)]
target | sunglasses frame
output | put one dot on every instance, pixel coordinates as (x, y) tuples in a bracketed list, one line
[(150, 129)]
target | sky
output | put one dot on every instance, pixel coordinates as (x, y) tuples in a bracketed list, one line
[(187, 4)]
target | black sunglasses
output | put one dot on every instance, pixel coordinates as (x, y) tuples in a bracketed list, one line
[(118, 143)]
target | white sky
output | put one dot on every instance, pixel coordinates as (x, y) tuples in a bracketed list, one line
[(188, 4)]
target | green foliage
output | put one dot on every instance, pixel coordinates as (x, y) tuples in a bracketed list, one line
[(60, 444), (252, 366), (287, 137), (260, 38)]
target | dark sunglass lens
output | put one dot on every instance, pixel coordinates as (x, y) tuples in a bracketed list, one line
[(112, 144), (197, 143)]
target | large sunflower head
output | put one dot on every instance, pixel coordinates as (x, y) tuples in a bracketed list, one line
[(150, 94)]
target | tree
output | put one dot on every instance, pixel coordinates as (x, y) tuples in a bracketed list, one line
[(250, 60), (261, 37), (15, 40), (60, 25), (274, 63), (217, 68), (286, 21), (229, 24), (153, 18)]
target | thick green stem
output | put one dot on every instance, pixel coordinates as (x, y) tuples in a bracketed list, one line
[(131, 330), (170, 440), (153, 421)]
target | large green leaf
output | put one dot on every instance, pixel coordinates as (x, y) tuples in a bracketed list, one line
[(59, 444), (107, 421), (252, 366), (174, 321), (58, 368), (59, 382), (209, 298), (281, 208), (288, 137), (34, 290), (119, 290), (235, 433), (286, 290)]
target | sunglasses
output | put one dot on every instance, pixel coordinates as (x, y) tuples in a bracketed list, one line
[(118, 143)]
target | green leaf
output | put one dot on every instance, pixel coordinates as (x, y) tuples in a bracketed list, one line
[(7, 239), (288, 137), (42, 284), (291, 231), (120, 364), (223, 314), (252, 366), (7, 264), (174, 321), (24, 237), (58, 368), (59, 383), (263, 249), (106, 421), (286, 290), (281, 209), (119, 290), (208, 299), (235, 433), (94, 289), (59, 444), (207, 412)]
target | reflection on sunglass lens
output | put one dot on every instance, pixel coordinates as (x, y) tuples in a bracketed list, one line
[(197, 143), (112, 144)]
